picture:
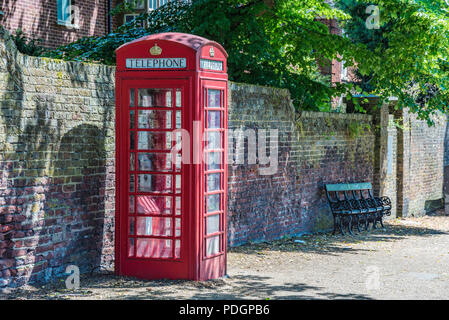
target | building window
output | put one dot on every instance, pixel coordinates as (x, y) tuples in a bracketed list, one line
[(68, 13), (154, 4), (131, 17), (344, 72), (141, 6), (138, 4)]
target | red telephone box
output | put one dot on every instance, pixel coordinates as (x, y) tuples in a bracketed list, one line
[(171, 175)]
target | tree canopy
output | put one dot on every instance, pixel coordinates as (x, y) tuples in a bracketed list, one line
[(280, 42), (408, 55)]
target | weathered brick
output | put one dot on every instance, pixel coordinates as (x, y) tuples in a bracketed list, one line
[(314, 150), (56, 168), (18, 253), (6, 263)]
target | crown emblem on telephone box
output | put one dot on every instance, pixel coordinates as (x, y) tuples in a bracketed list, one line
[(156, 50)]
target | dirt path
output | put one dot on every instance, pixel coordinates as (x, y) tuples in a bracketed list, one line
[(408, 260)]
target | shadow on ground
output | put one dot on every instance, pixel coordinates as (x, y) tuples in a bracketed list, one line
[(105, 285), (234, 288), (328, 244)]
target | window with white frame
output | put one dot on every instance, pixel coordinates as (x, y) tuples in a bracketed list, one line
[(141, 6), (154, 4), (130, 17), (68, 13), (344, 71), (137, 4)]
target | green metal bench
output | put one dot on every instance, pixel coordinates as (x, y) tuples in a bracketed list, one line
[(353, 204)]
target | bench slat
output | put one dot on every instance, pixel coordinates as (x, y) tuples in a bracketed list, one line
[(348, 186)]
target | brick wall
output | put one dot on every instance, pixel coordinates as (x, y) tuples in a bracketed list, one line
[(56, 166), (316, 149), (421, 156), (385, 148), (446, 169), (389, 177), (38, 19), (411, 159)]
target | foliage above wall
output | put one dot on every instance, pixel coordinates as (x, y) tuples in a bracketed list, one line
[(278, 43), (408, 52), (27, 46), (261, 48)]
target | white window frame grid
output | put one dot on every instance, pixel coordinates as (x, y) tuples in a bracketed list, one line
[(135, 15), (141, 2), (146, 6), (154, 4), (344, 71)]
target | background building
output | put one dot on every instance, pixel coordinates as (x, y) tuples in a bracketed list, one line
[(58, 22)]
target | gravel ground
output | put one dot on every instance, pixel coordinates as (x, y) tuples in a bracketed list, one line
[(407, 260)]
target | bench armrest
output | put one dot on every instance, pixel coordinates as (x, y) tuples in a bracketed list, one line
[(386, 201)]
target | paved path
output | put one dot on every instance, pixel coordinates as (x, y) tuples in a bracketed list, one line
[(408, 260)]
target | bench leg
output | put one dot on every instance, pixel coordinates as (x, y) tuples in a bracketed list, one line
[(381, 222), (350, 225), (375, 218), (367, 221), (335, 225), (358, 223), (341, 218), (372, 219)]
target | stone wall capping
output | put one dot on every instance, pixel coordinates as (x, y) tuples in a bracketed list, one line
[(336, 115)]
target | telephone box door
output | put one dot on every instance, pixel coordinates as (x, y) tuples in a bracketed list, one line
[(155, 242), (214, 100)]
